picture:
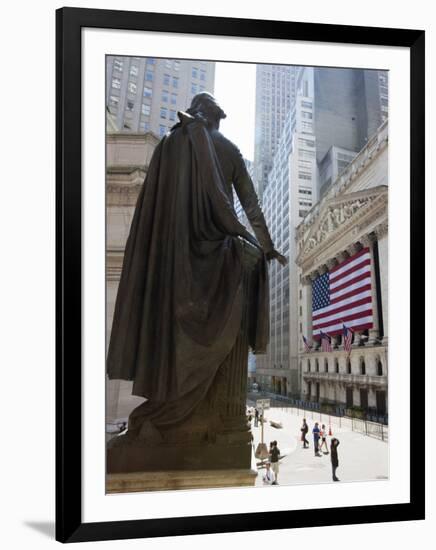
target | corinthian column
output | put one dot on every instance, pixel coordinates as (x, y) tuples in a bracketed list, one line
[(374, 333)]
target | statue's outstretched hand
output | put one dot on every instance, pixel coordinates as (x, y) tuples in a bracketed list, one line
[(274, 255)]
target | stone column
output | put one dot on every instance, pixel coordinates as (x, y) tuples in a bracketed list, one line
[(382, 236), (374, 333)]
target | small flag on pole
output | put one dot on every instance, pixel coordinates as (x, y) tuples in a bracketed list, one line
[(307, 346), (347, 338), (325, 342)]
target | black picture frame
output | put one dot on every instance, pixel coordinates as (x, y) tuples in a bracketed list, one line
[(69, 22)]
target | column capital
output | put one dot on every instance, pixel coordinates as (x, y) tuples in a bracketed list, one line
[(381, 230), (341, 256), (323, 269), (369, 239), (306, 279), (353, 248), (331, 263), (314, 274)]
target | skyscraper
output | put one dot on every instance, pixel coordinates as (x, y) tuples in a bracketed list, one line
[(144, 93), (275, 91)]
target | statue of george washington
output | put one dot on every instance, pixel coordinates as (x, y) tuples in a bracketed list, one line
[(193, 297)]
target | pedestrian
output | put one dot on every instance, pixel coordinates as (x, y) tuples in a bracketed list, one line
[(315, 433), (256, 417), (323, 435), (274, 457), (268, 477), (334, 456), (304, 430)]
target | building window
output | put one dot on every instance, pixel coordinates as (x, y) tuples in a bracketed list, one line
[(168, 63), (133, 70), (305, 176), (129, 106), (144, 126), (162, 130), (194, 89), (308, 365), (151, 60), (306, 114), (132, 87), (148, 92), (336, 366), (176, 65), (172, 115), (145, 109), (362, 366), (116, 83), (175, 82), (316, 365), (113, 100), (307, 104), (306, 142), (118, 65), (173, 99), (348, 366), (149, 76), (163, 112), (202, 74), (166, 79), (165, 96), (194, 72), (379, 368)]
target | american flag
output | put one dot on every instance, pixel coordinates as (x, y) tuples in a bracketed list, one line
[(307, 346), (343, 295), (326, 344), (347, 338)]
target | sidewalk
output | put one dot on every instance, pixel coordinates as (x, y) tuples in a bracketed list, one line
[(361, 458)]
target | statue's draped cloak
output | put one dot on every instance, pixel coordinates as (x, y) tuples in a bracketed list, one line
[(180, 298)]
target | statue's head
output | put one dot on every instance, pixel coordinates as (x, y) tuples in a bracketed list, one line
[(205, 105)]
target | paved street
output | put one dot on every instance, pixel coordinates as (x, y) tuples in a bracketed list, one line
[(360, 457)]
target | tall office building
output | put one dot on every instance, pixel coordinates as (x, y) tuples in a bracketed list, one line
[(144, 93), (275, 92), (350, 105), (289, 194), (331, 119)]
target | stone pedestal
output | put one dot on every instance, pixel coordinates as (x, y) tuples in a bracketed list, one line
[(176, 479)]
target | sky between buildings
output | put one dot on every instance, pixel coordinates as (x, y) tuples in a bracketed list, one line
[(235, 91)]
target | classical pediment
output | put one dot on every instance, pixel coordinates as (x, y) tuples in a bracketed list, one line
[(337, 216)]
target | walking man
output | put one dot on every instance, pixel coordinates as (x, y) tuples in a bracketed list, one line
[(316, 436), (256, 417), (304, 431), (334, 456)]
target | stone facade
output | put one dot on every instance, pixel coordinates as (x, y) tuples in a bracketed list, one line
[(353, 214), (128, 158)]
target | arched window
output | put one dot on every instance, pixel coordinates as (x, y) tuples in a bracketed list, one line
[(362, 366), (317, 365), (326, 365), (336, 366), (379, 368), (348, 366), (308, 365)]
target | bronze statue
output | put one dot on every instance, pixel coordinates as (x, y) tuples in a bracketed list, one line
[(193, 291)]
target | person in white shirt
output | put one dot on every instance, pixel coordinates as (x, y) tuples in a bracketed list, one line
[(269, 477)]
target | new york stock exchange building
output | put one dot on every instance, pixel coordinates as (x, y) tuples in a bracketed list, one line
[(342, 258)]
